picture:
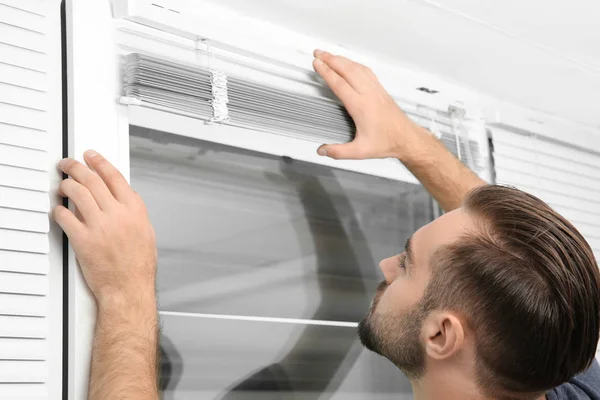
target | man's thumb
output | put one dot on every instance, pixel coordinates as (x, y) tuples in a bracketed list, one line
[(347, 151)]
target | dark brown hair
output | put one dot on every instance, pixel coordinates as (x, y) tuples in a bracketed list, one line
[(528, 287)]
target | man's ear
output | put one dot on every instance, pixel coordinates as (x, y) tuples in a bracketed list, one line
[(444, 335)]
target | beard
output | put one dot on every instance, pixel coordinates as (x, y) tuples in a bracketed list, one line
[(395, 336)]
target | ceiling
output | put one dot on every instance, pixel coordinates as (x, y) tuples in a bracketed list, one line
[(540, 54)]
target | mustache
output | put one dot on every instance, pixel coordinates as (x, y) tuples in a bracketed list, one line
[(382, 287)]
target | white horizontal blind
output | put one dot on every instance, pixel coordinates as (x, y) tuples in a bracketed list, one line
[(189, 90), (24, 200), (462, 138), (564, 176)]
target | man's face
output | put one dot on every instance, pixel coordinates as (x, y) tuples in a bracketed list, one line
[(392, 328)]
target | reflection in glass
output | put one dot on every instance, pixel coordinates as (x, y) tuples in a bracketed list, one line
[(246, 234)]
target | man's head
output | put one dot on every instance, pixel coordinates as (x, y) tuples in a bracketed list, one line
[(503, 286)]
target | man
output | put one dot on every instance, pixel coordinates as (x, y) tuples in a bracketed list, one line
[(497, 299)]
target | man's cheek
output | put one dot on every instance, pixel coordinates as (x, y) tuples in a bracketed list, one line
[(380, 303), (381, 288), (393, 301)]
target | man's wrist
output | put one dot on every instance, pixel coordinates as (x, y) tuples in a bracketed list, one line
[(410, 141), (137, 302)]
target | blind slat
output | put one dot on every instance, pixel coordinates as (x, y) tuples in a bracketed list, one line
[(557, 199), (21, 57), (23, 371), (542, 146), (23, 157), (24, 220), (562, 177), (24, 262), (22, 16), (24, 97), (22, 116), (24, 178), (22, 349), (23, 199), (509, 152), (24, 137), (23, 305), (21, 36), (23, 77), (23, 327), (30, 6), (32, 242), (17, 283), (575, 189)]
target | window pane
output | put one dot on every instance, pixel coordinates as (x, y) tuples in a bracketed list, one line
[(241, 233)]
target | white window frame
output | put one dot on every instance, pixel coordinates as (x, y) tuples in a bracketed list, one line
[(95, 121)]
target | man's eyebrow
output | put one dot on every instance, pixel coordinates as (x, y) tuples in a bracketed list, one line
[(408, 249)]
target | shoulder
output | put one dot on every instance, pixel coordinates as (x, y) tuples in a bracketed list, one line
[(582, 387)]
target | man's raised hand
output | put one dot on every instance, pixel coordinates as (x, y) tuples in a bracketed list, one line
[(382, 129)]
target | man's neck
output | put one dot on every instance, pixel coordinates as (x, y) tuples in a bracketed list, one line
[(448, 386)]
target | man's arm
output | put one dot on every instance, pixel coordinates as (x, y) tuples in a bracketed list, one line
[(115, 245), (383, 130)]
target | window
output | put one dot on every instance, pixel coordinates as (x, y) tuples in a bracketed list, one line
[(266, 265), (243, 303)]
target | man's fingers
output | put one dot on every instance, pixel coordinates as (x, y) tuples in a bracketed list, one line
[(346, 151), (114, 180), (338, 85), (69, 223), (90, 180), (81, 196), (357, 75)]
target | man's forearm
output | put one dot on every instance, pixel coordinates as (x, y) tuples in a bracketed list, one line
[(124, 358), (446, 178)]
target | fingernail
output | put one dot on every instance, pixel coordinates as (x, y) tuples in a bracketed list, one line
[(322, 152), (318, 52), (90, 154), (63, 163), (318, 62)]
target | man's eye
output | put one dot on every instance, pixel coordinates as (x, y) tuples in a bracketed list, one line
[(402, 260)]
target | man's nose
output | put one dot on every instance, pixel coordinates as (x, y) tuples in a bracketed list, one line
[(389, 267)]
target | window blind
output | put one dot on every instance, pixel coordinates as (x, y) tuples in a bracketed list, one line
[(564, 176), (25, 115), (199, 92)]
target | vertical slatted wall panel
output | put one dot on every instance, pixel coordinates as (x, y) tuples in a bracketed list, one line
[(24, 199), (564, 176)]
